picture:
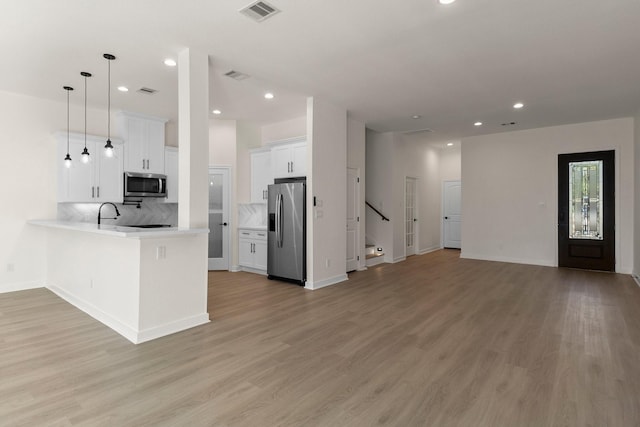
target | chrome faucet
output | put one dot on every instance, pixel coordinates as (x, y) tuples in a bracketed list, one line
[(108, 203)]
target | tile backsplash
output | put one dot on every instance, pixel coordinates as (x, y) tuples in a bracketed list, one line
[(252, 215), (150, 212)]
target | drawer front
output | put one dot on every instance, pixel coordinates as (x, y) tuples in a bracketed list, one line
[(252, 234)]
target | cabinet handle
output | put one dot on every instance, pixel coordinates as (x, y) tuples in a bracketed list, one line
[(147, 163), (288, 167), (93, 189), (291, 167), (98, 191), (142, 163)]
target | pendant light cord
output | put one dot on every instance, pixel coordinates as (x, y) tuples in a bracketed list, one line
[(109, 104), (68, 121), (85, 113)]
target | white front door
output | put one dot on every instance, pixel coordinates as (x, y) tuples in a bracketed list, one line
[(218, 218), (452, 214), (353, 219), (411, 215)]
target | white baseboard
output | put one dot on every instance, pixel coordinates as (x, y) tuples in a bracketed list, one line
[(21, 286), (253, 270), (362, 268), (325, 282), (235, 268), (429, 250), (172, 327), (131, 333), (399, 259), (123, 329), (636, 278), (545, 263)]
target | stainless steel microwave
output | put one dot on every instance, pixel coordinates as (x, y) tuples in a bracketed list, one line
[(145, 185)]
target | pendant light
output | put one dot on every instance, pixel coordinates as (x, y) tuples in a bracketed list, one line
[(85, 152), (67, 158), (108, 148)]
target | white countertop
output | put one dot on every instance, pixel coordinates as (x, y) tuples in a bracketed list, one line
[(119, 231)]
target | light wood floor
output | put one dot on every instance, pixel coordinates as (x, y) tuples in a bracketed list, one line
[(433, 341)]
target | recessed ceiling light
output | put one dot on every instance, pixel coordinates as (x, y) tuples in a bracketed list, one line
[(170, 62), (477, 124), (449, 144), (416, 117), (446, 1), (518, 105), (123, 89), (217, 112), (268, 95)]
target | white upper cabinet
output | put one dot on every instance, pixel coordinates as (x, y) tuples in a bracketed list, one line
[(171, 170), (289, 159), (143, 142), (99, 180), (261, 175)]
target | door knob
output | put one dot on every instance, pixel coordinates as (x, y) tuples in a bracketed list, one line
[(446, 217), (415, 219), (223, 223)]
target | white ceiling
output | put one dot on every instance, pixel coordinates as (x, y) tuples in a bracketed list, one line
[(384, 61)]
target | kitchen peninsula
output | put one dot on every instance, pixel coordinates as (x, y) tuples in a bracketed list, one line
[(142, 283)]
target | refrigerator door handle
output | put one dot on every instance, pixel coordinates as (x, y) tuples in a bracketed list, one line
[(277, 220), (280, 220)]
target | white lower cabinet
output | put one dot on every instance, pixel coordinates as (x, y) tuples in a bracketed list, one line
[(252, 249)]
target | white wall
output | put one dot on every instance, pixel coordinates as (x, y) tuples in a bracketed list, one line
[(28, 169), (326, 224), (636, 239), (285, 129), (356, 159), (509, 196)]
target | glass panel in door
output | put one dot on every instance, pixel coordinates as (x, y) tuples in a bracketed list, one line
[(585, 200), (218, 218)]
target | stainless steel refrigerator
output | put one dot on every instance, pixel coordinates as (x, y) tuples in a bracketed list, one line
[(286, 254)]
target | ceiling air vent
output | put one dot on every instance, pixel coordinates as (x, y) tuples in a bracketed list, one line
[(146, 90), (413, 132), (259, 11), (236, 75)]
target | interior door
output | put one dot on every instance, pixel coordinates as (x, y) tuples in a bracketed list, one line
[(218, 218), (353, 219), (586, 210), (452, 214), (411, 216)]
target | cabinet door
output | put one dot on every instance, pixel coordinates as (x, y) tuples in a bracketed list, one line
[(260, 176), (108, 174), (245, 253), (260, 254), (135, 140), (281, 161), (155, 147), (74, 183), (171, 170), (299, 159)]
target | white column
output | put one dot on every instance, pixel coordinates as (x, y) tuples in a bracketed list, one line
[(193, 135)]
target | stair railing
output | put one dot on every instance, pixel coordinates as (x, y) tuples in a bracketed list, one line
[(384, 218)]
